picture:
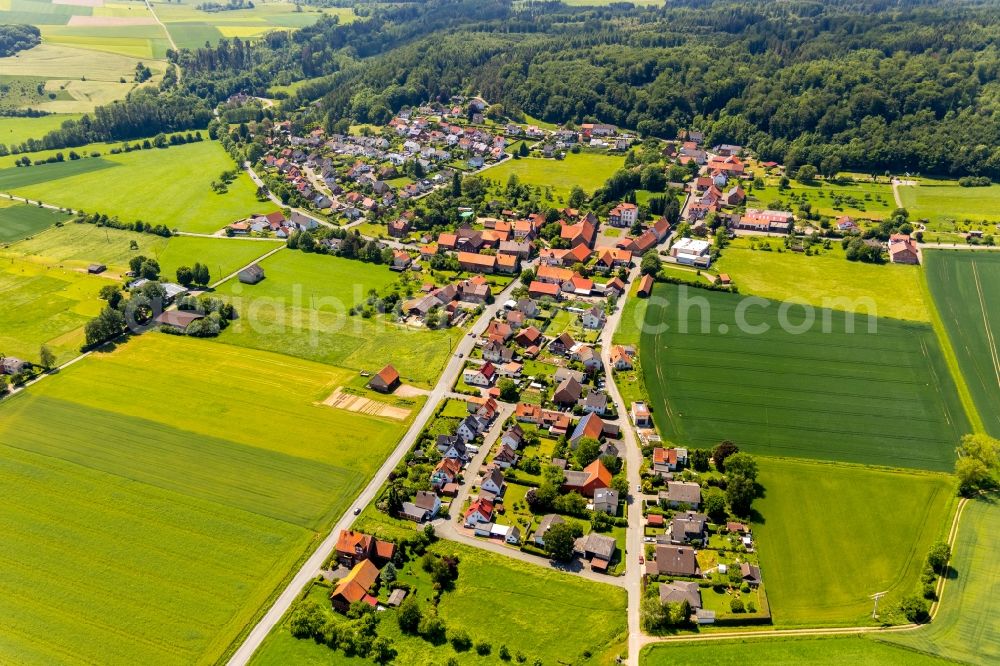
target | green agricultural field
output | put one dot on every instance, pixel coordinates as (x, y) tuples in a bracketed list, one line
[(945, 202), (588, 170), (884, 397), (966, 290), (19, 220), (191, 27), (815, 578), (590, 616), (158, 186), (860, 650), (78, 79), (864, 200), (14, 131), (825, 280), (126, 470), (967, 626), (301, 309), (45, 305), (138, 41)]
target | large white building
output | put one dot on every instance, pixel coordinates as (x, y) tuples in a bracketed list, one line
[(692, 251)]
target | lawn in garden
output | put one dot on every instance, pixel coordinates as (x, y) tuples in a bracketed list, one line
[(779, 381), (127, 470), (966, 290), (586, 169), (302, 309), (168, 186), (831, 535), (824, 279), (532, 600)]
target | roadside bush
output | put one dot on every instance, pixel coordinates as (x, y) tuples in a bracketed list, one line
[(915, 609), (930, 592)]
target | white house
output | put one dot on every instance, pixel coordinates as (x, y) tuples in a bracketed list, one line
[(492, 481), (480, 376), (594, 318), (469, 428), (512, 437)]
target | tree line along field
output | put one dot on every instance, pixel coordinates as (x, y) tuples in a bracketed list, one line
[(826, 279), (966, 291), (168, 186), (301, 309), (830, 535), (883, 398), (967, 626), (76, 246), (546, 614), (859, 649), (586, 169), (126, 471), (19, 220)]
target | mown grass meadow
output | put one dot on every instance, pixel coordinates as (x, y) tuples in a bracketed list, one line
[(301, 309), (128, 470), (45, 305), (826, 279), (586, 169), (884, 398)]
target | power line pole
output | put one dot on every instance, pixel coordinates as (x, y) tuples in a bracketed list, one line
[(876, 597)]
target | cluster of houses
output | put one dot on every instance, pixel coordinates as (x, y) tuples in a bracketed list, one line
[(451, 301), (275, 224), (601, 136), (365, 556)]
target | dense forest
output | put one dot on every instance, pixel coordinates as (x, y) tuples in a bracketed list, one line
[(901, 85), (17, 37)]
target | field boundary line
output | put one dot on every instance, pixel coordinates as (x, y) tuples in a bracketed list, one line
[(950, 357)]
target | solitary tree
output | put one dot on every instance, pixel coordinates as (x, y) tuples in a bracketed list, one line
[(559, 541), (46, 357)]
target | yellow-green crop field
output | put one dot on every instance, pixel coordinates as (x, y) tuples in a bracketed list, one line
[(141, 525)]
